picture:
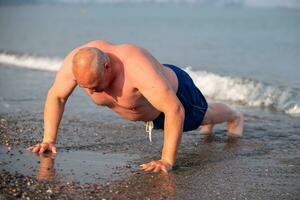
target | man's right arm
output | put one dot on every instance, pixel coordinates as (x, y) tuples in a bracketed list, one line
[(58, 94)]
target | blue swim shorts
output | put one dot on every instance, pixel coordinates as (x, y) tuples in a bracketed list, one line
[(190, 97)]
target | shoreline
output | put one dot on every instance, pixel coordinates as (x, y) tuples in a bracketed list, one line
[(264, 164)]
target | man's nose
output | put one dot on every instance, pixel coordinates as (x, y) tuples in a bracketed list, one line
[(91, 91)]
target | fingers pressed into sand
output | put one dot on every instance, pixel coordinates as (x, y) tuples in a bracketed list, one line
[(53, 149), (29, 148), (36, 148), (149, 168), (164, 169), (157, 169), (142, 166), (156, 166), (43, 148)]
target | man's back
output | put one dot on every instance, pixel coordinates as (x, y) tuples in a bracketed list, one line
[(122, 95)]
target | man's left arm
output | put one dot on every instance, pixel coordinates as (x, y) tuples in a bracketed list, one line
[(150, 80)]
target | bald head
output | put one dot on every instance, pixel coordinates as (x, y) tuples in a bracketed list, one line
[(88, 64)]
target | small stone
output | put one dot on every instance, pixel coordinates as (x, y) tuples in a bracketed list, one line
[(49, 191), (98, 187)]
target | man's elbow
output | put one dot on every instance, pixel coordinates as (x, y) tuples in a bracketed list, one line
[(180, 111), (177, 111), (52, 94)]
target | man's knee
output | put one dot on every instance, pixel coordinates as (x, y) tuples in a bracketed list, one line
[(207, 117), (215, 113)]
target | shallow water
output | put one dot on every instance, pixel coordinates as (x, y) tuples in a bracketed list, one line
[(77, 166), (264, 164)]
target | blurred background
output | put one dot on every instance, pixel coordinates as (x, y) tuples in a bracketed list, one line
[(241, 51)]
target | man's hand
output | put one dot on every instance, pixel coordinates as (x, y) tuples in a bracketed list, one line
[(156, 166), (41, 148)]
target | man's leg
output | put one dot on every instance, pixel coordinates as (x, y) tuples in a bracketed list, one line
[(218, 113)]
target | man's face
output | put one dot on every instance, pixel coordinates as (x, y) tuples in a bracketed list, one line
[(92, 84), (92, 88)]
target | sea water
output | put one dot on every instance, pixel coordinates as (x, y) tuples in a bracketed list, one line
[(241, 52)]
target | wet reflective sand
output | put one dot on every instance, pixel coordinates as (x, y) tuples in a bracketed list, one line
[(99, 154), (79, 166)]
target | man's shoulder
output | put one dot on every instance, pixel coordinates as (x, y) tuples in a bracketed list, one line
[(122, 48), (130, 48), (132, 53)]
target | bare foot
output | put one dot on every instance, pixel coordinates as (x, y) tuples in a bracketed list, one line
[(236, 126), (206, 129)]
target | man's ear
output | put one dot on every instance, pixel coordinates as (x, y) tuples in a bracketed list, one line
[(106, 65)]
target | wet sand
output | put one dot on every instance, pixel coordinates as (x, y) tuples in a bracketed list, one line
[(99, 153)]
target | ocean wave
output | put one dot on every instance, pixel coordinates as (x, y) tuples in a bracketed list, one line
[(247, 91), (30, 61), (216, 87)]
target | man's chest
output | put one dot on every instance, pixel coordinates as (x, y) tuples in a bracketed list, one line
[(128, 98)]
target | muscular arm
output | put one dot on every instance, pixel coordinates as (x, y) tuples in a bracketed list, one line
[(57, 96), (55, 103), (150, 81)]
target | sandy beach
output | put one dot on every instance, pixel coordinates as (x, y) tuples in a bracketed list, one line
[(241, 52), (99, 154)]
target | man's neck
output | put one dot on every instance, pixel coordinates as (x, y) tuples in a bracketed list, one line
[(116, 69), (116, 66)]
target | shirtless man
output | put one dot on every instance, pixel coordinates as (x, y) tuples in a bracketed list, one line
[(132, 83)]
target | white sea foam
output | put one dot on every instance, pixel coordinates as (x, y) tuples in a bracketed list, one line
[(247, 92), (240, 90), (29, 61)]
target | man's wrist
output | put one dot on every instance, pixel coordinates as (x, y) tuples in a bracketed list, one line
[(166, 161), (48, 141)]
